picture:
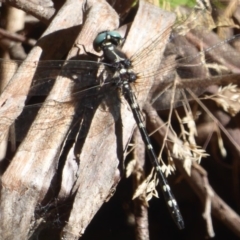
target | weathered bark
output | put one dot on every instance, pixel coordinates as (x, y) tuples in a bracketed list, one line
[(29, 176)]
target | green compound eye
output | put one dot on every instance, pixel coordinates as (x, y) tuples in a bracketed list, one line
[(110, 36)]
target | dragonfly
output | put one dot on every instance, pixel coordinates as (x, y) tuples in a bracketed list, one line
[(84, 86), (123, 77)]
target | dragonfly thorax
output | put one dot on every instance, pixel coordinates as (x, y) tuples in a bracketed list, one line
[(109, 43)]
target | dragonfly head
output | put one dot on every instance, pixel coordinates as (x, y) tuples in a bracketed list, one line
[(107, 38)]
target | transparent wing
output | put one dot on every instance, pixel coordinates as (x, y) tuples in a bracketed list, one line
[(197, 60), (81, 73), (88, 80), (197, 71)]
